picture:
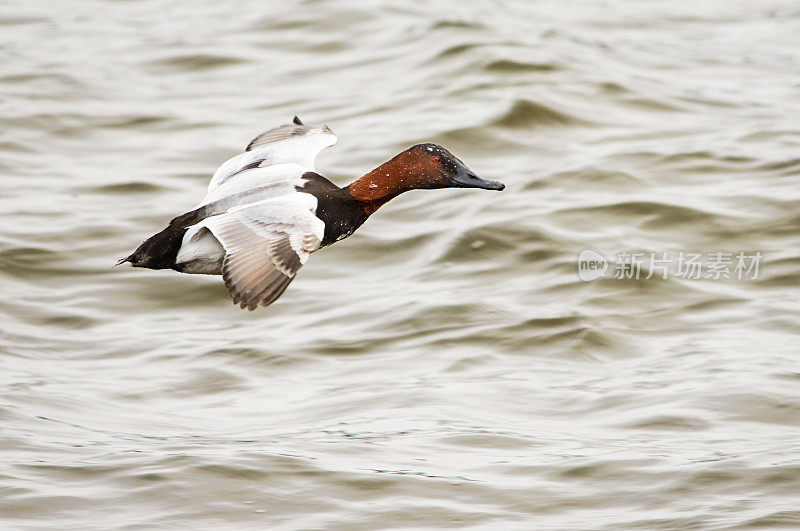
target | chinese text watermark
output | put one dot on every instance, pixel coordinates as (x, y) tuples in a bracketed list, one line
[(637, 265)]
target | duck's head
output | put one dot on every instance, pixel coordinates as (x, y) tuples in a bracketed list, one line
[(424, 166), (429, 166)]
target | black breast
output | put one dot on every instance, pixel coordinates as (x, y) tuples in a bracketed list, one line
[(336, 208)]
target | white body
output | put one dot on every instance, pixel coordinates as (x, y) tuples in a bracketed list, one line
[(259, 228)]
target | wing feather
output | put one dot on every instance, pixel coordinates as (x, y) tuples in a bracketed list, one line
[(265, 227), (260, 259), (277, 134), (293, 142)]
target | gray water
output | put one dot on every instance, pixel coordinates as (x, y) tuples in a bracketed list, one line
[(445, 366)]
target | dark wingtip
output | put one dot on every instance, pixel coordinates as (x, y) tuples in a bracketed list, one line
[(297, 121)]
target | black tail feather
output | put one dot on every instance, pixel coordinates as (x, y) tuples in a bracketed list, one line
[(160, 250)]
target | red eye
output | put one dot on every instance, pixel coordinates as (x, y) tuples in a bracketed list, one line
[(435, 159)]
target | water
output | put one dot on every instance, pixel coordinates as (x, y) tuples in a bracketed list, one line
[(445, 365)]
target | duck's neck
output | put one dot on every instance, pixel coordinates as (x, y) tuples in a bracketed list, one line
[(379, 186)]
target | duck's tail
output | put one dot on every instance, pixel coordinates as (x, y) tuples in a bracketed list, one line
[(160, 250)]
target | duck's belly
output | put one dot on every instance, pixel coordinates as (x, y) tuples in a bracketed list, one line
[(200, 253)]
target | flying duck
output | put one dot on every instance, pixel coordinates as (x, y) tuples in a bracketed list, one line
[(267, 209)]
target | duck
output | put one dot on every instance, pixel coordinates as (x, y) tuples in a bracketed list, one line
[(267, 210)]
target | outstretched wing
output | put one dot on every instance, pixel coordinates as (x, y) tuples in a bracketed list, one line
[(291, 143), (265, 244), (276, 134)]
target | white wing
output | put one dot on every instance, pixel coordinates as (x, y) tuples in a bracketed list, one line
[(288, 144), (266, 243), (266, 229), (256, 184)]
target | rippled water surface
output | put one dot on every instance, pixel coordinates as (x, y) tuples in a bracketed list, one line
[(446, 365)]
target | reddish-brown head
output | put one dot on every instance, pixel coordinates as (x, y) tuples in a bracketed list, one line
[(424, 166)]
